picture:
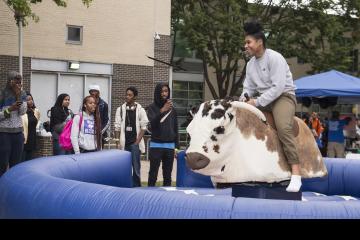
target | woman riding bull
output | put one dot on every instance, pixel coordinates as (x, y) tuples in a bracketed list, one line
[(268, 74)]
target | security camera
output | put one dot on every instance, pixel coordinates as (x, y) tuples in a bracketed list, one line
[(156, 36)]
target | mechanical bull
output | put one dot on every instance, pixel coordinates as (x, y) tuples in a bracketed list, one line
[(233, 142)]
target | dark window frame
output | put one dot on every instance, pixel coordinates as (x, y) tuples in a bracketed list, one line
[(73, 41)]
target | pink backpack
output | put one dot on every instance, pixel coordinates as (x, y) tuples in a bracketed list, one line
[(65, 136)]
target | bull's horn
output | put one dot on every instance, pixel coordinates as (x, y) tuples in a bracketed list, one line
[(249, 107)]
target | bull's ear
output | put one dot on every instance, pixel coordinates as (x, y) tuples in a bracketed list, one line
[(251, 108)]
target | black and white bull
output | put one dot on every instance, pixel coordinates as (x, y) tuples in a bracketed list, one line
[(233, 142)]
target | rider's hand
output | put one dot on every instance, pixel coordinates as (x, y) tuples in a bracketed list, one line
[(252, 101)]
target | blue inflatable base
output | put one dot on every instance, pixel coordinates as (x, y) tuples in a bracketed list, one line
[(98, 185)]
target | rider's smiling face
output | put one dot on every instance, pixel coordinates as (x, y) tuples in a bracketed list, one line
[(253, 45)]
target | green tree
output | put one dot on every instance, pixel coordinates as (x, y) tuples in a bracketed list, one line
[(22, 8), (321, 33)]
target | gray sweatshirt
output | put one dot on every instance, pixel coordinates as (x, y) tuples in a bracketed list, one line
[(84, 138), (270, 76), (13, 124)]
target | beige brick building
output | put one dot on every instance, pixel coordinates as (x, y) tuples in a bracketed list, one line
[(110, 41)]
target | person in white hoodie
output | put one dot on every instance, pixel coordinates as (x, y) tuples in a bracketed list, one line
[(268, 74), (86, 137), (130, 125)]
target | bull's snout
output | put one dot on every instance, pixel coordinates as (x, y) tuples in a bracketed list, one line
[(196, 160)]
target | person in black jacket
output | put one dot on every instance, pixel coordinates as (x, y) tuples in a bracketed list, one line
[(60, 114), (164, 134), (103, 111)]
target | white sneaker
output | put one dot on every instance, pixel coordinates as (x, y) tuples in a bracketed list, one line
[(295, 184)]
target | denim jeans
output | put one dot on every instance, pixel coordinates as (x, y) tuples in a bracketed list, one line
[(135, 158), (11, 147)]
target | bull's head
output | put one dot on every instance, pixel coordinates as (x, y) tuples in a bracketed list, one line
[(211, 133)]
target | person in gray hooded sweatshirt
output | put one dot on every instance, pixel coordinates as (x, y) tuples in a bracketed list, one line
[(87, 137), (268, 75)]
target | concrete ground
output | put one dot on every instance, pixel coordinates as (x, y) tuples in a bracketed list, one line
[(145, 166)]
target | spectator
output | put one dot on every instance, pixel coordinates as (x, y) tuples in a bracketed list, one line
[(336, 140), (12, 107), (324, 137), (316, 128), (316, 125), (164, 138), (30, 122), (60, 114), (86, 135), (131, 131), (94, 91)]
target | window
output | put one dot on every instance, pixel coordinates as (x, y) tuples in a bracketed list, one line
[(74, 34), (74, 85), (185, 96)]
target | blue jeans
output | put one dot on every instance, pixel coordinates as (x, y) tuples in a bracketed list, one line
[(11, 147), (135, 158)]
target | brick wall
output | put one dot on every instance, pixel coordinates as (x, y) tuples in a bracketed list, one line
[(11, 63), (162, 51), (144, 78), (44, 146)]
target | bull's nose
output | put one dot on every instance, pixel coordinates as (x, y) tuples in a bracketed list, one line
[(196, 160)]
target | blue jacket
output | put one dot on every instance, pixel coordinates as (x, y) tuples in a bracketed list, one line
[(104, 115)]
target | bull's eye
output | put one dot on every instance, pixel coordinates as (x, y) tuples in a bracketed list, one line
[(223, 168), (218, 113), (230, 116), (219, 130)]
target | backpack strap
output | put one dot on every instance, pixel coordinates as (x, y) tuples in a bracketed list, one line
[(81, 118)]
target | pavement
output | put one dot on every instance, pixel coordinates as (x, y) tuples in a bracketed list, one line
[(145, 166)]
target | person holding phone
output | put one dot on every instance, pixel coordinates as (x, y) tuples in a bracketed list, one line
[(31, 121), (12, 106), (164, 134)]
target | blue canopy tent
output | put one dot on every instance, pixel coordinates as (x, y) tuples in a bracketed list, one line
[(330, 84)]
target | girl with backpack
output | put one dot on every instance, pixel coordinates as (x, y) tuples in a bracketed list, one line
[(60, 115), (86, 128)]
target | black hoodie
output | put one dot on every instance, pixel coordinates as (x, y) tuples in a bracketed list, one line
[(167, 131)]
